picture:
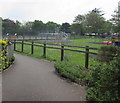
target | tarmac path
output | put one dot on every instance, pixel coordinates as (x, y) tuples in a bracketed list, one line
[(32, 79)]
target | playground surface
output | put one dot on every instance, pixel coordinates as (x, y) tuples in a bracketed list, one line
[(32, 79)]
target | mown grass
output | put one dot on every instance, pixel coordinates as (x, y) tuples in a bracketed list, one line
[(55, 55)]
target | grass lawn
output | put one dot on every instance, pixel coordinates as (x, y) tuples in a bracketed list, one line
[(54, 54)]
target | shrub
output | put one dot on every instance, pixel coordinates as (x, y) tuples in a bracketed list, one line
[(103, 81), (3, 54), (107, 53), (3, 42), (73, 72)]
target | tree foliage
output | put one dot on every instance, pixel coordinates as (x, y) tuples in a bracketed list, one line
[(65, 27), (37, 27), (103, 80), (78, 26), (92, 22), (9, 26), (28, 28), (52, 27), (116, 22)]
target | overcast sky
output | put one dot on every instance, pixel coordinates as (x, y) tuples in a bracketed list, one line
[(59, 11)]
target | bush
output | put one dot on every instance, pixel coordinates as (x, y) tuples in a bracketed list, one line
[(3, 43), (74, 73), (103, 81), (3, 54), (107, 53)]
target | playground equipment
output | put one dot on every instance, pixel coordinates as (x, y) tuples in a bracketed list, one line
[(114, 41), (107, 42), (117, 44), (57, 38)]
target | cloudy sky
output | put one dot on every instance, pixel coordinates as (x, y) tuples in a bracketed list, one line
[(59, 11)]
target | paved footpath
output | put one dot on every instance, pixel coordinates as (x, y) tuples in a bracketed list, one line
[(32, 79)]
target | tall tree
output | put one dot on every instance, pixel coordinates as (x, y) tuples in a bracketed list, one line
[(26, 29), (77, 29), (18, 27), (116, 22), (95, 22), (65, 27), (37, 27), (80, 19), (108, 27), (9, 26), (51, 27), (78, 26), (98, 11)]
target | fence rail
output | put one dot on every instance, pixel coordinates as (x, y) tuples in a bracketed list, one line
[(59, 47)]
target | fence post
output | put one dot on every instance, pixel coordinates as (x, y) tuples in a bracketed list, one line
[(62, 52), (22, 45), (87, 57), (14, 45), (32, 48), (44, 50)]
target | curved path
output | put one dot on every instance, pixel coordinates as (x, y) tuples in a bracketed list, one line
[(32, 79)]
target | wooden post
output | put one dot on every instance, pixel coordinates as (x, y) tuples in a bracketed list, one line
[(44, 50), (62, 52), (32, 48), (14, 45), (87, 57), (22, 46)]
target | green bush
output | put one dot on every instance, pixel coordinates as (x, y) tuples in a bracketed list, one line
[(107, 53), (103, 80), (74, 73)]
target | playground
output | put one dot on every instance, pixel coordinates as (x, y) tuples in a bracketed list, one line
[(112, 41)]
